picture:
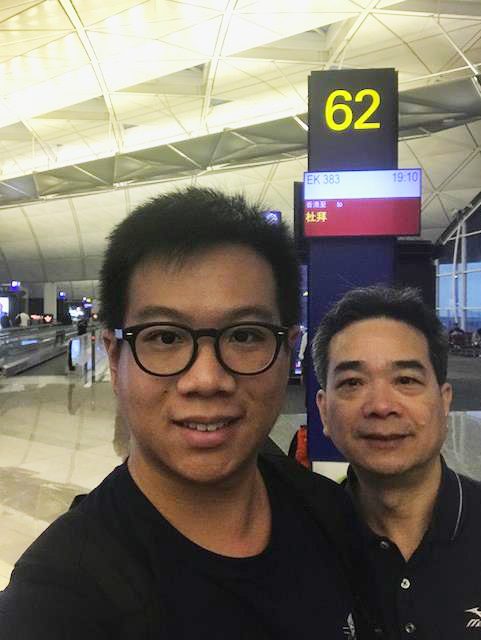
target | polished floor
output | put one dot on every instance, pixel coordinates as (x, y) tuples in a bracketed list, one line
[(59, 438)]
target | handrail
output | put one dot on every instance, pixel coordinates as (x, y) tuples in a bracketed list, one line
[(86, 356), (25, 347)]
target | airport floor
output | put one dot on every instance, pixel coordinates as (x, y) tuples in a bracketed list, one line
[(59, 438)]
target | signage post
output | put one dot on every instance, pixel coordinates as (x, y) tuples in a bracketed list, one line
[(353, 125)]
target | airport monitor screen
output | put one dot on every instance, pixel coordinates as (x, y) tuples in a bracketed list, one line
[(4, 305), (362, 203)]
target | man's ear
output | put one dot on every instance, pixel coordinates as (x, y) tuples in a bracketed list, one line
[(293, 335), (113, 351), (447, 396), (321, 405)]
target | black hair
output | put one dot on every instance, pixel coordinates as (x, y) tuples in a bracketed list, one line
[(181, 223), (378, 301)]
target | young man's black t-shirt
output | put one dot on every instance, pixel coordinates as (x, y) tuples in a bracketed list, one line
[(294, 589)]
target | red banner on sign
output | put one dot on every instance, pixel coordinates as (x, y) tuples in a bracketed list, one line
[(367, 217)]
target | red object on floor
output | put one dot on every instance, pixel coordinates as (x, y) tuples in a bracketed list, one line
[(302, 454)]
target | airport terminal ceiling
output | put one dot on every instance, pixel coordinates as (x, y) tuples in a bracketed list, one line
[(103, 104)]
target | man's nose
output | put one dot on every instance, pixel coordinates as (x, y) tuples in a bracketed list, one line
[(380, 400), (206, 376)]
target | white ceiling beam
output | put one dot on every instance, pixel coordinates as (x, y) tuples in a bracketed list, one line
[(293, 56), (241, 136), (438, 74), (434, 10), (185, 156), (458, 50), (453, 174), (73, 211), (16, 189), (36, 242), (46, 148), (212, 66), (74, 18), (91, 175), (308, 47), (268, 181), (352, 27)]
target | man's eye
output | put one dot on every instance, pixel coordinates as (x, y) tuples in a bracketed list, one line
[(349, 383), (408, 381), (247, 336), (162, 337)]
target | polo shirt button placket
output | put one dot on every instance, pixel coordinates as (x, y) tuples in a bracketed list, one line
[(409, 627), (405, 583)]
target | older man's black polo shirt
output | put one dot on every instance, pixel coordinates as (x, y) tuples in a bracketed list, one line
[(436, 595)]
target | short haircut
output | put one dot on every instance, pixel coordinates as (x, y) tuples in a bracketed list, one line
[(182, 223), (377, 301)]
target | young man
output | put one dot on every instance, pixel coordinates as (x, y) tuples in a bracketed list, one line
[(196, 535), (381, 357)]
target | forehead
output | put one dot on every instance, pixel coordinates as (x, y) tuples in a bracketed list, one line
[(221, 277), (378, 341)]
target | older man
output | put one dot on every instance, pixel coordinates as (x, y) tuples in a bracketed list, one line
[(381, 357)]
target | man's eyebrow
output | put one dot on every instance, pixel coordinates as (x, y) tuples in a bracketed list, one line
[(151, 313), (359, 365), (409, 364), (261, 313), (348, 365)]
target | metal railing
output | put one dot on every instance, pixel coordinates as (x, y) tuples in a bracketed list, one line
[(86, 356), (25, 347)]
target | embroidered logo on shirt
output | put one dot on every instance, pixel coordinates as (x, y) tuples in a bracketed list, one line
[(350, 629), (474, 622)]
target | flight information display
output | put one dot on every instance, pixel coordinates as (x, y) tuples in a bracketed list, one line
[(362, 203)]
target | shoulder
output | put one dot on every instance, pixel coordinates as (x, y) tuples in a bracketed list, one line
[(471, 484), (82, 556), (61, 556), (49, 587), (464, 503), (471, 489), (325, 499), (468, 489), (298, 476)]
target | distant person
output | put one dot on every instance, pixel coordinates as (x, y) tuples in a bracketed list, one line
[(67, 318), (456, 338), (456, 330), (5, 321), (198, 535), (22, 319), (82, 326), (476, 341), (303, 352), (380, 355)]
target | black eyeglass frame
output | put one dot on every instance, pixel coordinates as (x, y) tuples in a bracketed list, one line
[(129, 334)]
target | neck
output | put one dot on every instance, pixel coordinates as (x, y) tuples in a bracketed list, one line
[(399, 508), (230, 518)]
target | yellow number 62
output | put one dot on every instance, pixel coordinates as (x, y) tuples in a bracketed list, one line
[(347, 116)]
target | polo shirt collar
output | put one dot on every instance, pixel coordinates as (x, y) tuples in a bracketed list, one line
[(449, 508)]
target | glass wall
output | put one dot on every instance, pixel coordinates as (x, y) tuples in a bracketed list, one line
[(458, 277)]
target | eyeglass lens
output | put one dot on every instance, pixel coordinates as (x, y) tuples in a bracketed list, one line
[(166, 350)]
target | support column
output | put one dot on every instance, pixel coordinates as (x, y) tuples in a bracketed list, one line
[(50, 298)]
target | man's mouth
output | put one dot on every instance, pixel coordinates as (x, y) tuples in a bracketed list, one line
[(210, 426), (385, 439)]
